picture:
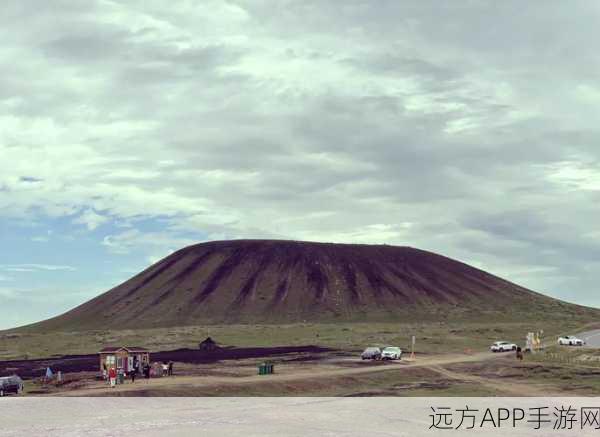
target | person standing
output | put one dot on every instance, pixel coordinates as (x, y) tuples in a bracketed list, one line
[(132, 374), (519, 353), (112, 376), (147, 371), (165, 368), (170, 371)]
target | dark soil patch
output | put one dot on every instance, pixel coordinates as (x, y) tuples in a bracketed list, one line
[(28, 369), (440, 385)]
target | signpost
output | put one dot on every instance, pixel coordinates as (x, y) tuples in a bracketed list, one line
[(532, 342)]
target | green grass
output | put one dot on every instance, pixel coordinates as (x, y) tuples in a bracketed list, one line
[(568, 375), (567, 370), (432, 337), (563, 355)]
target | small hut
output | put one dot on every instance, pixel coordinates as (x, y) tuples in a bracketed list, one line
[(208, 345), (126, 358)]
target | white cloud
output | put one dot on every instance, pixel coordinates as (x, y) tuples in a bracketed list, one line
[(43, 238), (152, 259), (365, 117), (91, 219), (371, 234), (35, 267), (576, 175), (125, 242), (6, 293)]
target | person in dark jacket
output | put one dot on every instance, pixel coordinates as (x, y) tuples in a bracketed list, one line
[(133, 374), (170, 371), (519, 353), (147, 371)]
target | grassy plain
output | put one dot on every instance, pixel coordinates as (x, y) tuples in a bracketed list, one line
[(431, 337)]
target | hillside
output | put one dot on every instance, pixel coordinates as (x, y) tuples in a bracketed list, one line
[(271, 281)]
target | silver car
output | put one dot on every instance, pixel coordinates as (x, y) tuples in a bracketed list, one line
[(10, 384), (371, 353)]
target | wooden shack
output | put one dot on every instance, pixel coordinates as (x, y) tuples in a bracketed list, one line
[(124, 357), (208, 345)]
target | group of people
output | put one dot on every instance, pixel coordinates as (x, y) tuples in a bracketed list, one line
[(136, 369), (112, 373), (167, 368)]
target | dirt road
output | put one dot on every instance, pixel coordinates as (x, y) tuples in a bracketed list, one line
[(591, 338), (504, 388), (190, 382)]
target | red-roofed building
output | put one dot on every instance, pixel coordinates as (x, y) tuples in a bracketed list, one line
[(123, 357)]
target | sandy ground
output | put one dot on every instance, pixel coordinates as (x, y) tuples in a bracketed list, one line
[(506, 388), (266, 417)]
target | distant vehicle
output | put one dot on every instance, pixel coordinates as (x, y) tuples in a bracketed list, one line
[(10, 384), (503, 346), (371, 353), (569, 340), (391, 353)]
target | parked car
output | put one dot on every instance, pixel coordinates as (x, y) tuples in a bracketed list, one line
[(371, 353), (569, 340), (391, 353), (10, 384), (503, 346)]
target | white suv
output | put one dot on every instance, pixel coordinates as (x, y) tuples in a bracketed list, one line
[(503, 346), (391, 353)]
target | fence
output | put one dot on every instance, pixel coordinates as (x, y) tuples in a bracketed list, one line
[(564, 358)]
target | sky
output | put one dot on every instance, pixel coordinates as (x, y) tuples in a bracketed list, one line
[(130, 129)]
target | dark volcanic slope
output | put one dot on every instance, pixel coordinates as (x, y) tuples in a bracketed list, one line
[(289, 281)]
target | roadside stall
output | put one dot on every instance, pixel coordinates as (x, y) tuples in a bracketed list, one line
[(123, 358)]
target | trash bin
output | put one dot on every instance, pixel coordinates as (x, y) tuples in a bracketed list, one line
[(265, 369)]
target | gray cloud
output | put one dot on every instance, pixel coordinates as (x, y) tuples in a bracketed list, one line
[(467, 129)]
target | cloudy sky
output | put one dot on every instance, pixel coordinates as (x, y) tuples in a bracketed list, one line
[(129, 129)]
